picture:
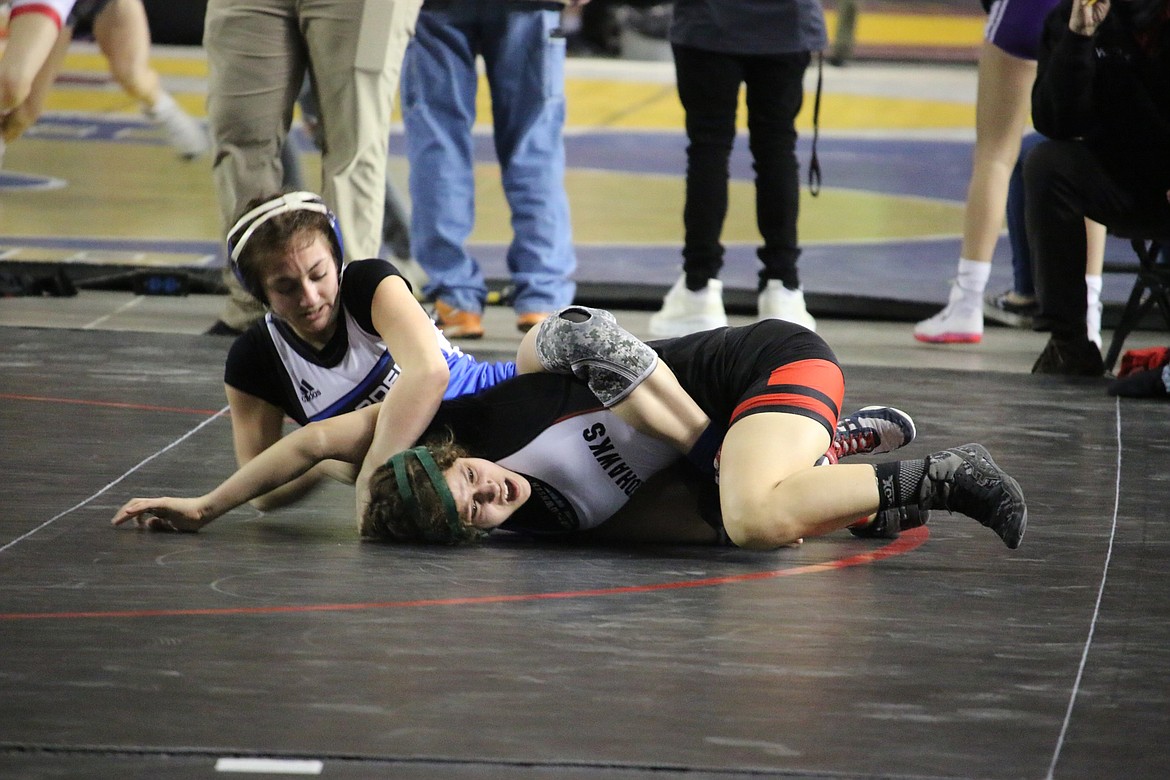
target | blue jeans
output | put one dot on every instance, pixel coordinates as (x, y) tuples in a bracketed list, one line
[(524, 61), (1022, 282)]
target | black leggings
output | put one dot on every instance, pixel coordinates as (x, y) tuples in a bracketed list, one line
[(708, 86)]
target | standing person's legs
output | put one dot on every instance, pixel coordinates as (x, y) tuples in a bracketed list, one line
[(708, 87), (28, 70), (31, 40), (438, 108), (123, 35), (526, 72), (775, 92), (256, 65), (356, 49), (1002, 106), (1022, 284)]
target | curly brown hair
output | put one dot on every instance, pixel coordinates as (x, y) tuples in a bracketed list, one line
[(391, 518)]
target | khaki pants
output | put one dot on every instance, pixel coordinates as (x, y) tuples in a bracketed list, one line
[(258, 52)]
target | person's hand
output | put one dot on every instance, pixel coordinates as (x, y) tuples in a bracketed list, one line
[(1087, 16), (163, 514)]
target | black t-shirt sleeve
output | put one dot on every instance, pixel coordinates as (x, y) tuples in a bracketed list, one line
[(251, 366), (359, 280)]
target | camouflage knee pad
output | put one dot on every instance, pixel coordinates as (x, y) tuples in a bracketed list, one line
[(590, 344)]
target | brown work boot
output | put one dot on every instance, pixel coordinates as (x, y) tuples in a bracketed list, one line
[(456, 323), (529, 320)]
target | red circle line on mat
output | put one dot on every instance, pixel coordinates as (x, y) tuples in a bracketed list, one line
[(909, 540)]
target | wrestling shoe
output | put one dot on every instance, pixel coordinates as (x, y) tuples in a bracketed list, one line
[(1070, 357), (185, 134), (961, 322), (873, 429), (966, 480), (889, 523), (684, 311), (777, 302), (456, 323)]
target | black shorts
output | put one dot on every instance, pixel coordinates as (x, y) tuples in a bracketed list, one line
[(768, 366), (83, 13)]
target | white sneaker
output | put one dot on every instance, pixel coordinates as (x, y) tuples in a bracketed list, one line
[(961, 322), (686, 312), (777, 302), (184, 133), (1093, 322)]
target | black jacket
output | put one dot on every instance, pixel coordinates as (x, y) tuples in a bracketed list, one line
[(1109, 91)]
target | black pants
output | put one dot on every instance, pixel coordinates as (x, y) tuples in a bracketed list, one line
[(1065, 181), (708, 86)]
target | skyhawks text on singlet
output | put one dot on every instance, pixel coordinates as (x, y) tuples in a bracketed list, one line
[(610, 460)]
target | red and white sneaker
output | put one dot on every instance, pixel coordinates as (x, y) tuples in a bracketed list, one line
[(961, 322)]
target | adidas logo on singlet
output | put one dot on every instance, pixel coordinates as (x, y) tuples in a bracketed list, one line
[(308, 392)]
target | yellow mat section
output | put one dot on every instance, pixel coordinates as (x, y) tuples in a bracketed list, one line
[(621, 105), (113, 192), (113, 188)]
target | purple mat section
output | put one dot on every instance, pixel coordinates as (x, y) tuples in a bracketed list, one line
[(904, 271)]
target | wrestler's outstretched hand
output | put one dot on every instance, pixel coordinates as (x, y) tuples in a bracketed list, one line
[(183, 515)]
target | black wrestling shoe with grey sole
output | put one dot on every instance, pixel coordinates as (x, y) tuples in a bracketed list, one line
[(966, 480)]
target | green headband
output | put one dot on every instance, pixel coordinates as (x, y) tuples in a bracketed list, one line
[(438, 481)]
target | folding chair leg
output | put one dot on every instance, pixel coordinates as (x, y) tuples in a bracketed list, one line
[(1135, 309)]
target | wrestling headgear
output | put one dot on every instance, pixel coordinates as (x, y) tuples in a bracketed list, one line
[(246, 226)]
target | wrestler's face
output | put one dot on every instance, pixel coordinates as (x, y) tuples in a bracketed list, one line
[(302, 286), (486, 494)]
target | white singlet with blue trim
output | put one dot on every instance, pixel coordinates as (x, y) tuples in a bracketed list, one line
[(363, 376)]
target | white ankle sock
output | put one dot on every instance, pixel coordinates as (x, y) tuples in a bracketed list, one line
[(1093, 309), (1093, 283), (971, 280), (164, 103)]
